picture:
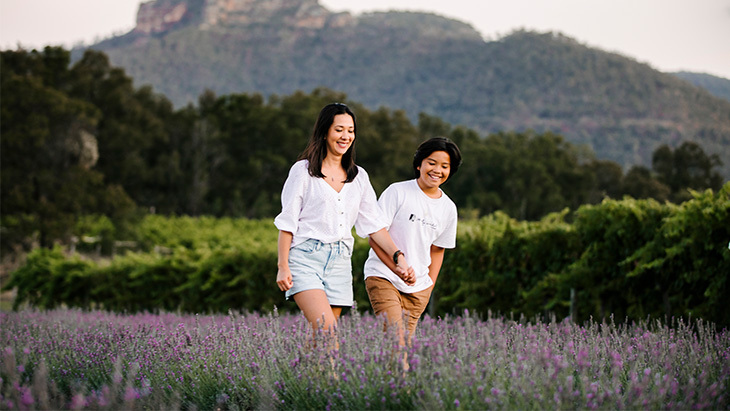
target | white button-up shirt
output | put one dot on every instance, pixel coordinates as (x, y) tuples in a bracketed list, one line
[(311, 208)]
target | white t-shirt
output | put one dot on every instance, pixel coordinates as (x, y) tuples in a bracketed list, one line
[(311, 208), (415, 222)]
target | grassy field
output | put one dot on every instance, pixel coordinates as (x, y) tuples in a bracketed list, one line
[(73, 359)]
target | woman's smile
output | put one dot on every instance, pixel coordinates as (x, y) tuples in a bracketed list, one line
[(341, 135)]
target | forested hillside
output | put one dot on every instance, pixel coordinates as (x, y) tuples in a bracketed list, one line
[(81, 143), (717, 86), (621, 109)]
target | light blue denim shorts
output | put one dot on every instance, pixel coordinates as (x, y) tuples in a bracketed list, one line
[(316, 265)]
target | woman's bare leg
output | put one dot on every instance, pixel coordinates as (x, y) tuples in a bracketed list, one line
[(317, 309)]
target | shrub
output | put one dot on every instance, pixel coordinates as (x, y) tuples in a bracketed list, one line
[(630, 259)]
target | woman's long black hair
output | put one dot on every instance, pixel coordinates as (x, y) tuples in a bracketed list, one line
[(316, 149)]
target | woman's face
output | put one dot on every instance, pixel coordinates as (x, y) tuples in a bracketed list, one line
[(340, 135), (434, 170)]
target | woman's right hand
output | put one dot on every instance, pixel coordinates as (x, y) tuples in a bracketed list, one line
[(284, 279)]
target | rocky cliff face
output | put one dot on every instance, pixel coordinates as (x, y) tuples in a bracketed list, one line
[(161, 15)]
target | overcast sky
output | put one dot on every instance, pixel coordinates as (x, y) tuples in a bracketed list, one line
[(670, 35)]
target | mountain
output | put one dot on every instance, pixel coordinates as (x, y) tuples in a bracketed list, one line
[(717, 86), (421, 62)]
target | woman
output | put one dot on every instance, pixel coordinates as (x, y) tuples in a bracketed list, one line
[(324, 196), (422, 219)]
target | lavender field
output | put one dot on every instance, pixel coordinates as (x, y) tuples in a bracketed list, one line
[(72, 359)]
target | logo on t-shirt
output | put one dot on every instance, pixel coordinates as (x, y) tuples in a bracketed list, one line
[(415, 219)]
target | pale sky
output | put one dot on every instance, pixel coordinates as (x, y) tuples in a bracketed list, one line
[(669, 35)]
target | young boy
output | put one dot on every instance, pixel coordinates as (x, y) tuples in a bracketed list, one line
[(422, 221)]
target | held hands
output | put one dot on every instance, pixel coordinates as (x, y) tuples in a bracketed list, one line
[(284, 279), (406, 273), (381, 241)]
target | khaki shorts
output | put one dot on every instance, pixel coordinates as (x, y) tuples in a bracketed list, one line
[(394, 304)]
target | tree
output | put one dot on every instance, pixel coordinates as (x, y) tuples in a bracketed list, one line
[(688, 167), (639, 183), (608, 177), (49, 149), (134, 143), (388, 141)]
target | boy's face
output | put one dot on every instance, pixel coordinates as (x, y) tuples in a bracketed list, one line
[(434, 169)]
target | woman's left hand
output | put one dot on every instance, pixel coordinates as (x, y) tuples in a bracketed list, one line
[(406, 273)]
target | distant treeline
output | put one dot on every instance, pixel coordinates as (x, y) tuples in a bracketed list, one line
[(81, 140)]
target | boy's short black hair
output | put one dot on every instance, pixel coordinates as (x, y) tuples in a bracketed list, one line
[(437, 144)]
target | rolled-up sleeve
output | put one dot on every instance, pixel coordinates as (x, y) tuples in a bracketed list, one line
[(369, 217), (292, 198)]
